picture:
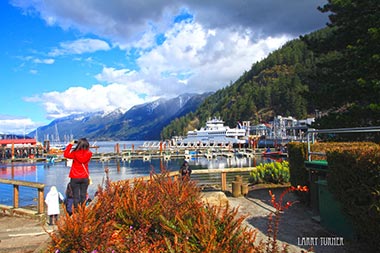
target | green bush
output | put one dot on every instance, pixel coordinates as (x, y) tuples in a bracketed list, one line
[(354, 179), (276, 172), (297, 155)]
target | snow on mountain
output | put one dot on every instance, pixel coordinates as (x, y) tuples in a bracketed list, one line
[(141, 122)]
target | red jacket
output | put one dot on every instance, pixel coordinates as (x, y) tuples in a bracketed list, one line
[(79, 169)]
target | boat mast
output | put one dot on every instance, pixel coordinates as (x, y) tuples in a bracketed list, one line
[(56, 134)]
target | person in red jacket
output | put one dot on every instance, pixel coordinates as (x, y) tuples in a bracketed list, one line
[(79, 173)]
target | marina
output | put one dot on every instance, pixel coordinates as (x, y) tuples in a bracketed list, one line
[(212, 140), (128, 163), (122, 160), (125, 151)]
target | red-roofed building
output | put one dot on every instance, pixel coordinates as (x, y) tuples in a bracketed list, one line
[(18, 141), (19, 148)]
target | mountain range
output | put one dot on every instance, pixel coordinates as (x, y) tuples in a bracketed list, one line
[(141, 122)]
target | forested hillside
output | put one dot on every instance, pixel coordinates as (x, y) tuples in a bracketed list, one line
[(334, 70), (346, 83)]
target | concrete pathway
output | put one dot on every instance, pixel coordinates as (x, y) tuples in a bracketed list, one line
[(297, 229), (22, 235)]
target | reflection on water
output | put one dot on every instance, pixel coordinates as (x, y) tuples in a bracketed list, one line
[(16, 170), (57, 174)]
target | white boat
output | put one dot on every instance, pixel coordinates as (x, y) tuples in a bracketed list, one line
[(215, 133)]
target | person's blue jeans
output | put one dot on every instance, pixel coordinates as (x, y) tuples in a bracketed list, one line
[(79, 187)]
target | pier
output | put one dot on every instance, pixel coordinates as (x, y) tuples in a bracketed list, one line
[(149, 154), (162, 151), (146, 152)]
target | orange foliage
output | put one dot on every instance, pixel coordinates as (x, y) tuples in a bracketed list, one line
[(158, 215)]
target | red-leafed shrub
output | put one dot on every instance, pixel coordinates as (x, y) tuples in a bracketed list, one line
[(158, 215)]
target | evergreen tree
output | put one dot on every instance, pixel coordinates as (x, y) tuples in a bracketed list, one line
[(347, 75)]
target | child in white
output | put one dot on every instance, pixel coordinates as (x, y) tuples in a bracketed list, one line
[(52, 201)]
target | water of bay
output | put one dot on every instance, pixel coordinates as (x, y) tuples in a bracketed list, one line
[(57, 173)]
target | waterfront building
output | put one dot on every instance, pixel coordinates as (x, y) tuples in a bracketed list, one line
[(281, 131), (19, 148)]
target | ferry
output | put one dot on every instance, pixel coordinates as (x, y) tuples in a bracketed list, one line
[(215, 133)]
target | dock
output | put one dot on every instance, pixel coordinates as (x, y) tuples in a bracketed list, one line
[(149, 151), (147, 154)]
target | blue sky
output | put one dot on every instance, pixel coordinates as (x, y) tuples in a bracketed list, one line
[(69, 56)]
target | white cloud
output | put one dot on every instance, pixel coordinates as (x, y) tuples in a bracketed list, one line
[(96, 98), (112, 75), (134, 81), (194, 59), (191, 60), (80, 46), (44, 61), (18, 125), (33, 59)]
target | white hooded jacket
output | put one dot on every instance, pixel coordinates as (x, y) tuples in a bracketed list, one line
[(52, 201)]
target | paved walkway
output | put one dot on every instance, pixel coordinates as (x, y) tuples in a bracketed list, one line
[(24, 235), (296, 227)]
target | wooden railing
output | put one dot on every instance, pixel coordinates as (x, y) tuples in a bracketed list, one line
[(223, 175), (16, 192), (196, 174)]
